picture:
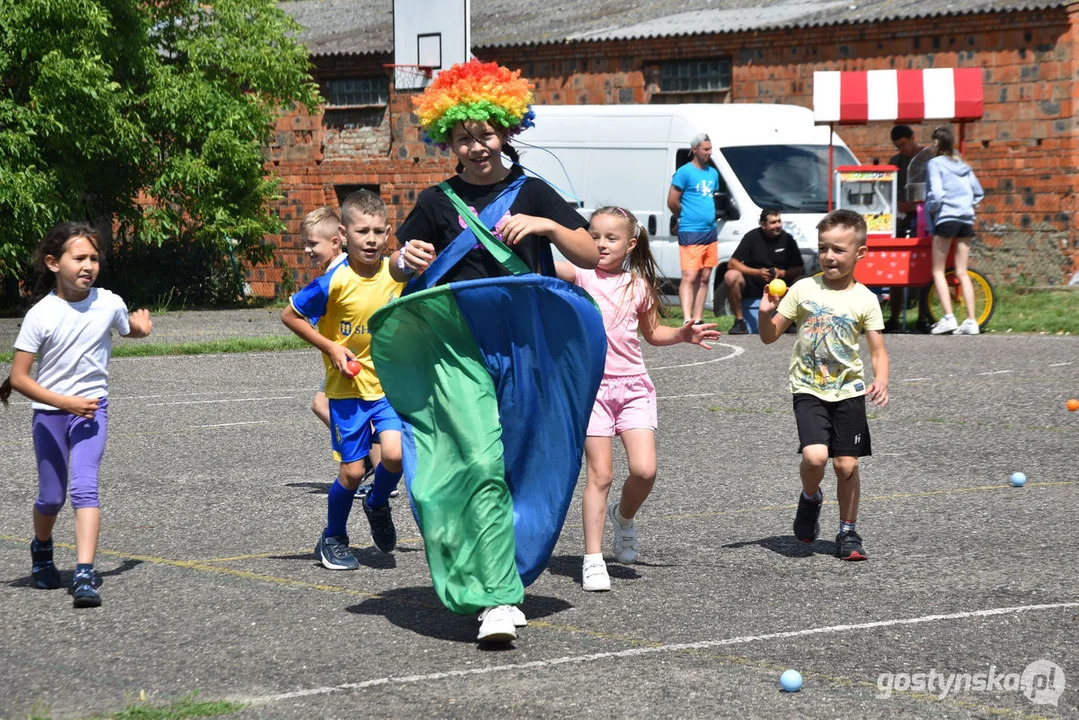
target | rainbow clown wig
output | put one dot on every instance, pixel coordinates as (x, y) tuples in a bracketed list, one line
[(483, 92)]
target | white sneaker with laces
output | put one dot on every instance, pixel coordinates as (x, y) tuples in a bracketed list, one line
[(969, 327), (519, 619), (624, 544), (946, 324), (497, 624), (594, 577)]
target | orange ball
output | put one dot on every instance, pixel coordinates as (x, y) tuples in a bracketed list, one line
[(1073, 404)]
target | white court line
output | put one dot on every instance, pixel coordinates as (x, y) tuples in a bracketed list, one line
[(1061, 364), (227, 400), (249, 422), (735, 352), (678, 397), (914, 379), (995, 372), (636, 652)]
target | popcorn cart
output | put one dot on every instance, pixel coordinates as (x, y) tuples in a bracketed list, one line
[(898, 96)]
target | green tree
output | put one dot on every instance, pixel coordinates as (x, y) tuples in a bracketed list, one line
[(151, 115)]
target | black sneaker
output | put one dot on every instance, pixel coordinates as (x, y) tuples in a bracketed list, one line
[(891, 326), (739, 328), (84, 593), (335, 554), (924, 326), (44, 572), (383, 533), (807, 519), (848, 546)]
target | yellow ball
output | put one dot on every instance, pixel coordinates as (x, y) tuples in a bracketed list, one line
[(777, 287)]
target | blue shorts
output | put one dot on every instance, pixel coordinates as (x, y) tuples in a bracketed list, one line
[(693, 237), (351, 420)]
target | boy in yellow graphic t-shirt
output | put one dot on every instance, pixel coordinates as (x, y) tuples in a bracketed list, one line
[(827, 375), (344, 300)]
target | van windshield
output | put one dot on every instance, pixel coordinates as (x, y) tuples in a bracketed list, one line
[(791, 178)]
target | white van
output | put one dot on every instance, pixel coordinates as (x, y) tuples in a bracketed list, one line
[(625, 155)]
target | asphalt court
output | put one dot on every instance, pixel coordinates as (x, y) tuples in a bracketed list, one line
[(213, 491)]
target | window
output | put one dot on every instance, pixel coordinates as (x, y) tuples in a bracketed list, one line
[(352, 92), (790, 178), (352, 118), (695, 76)]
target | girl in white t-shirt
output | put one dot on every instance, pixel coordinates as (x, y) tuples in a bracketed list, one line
[(625, 286), (69, 330)]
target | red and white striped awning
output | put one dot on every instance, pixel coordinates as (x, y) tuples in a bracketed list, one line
[(855, 97)]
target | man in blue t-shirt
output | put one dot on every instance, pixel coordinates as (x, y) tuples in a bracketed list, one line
[(694, 210)]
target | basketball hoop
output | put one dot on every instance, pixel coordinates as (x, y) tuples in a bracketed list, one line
[(409, 77)]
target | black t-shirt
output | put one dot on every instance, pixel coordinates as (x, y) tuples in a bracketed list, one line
[(758, 251), (902, 162), (435, 220)]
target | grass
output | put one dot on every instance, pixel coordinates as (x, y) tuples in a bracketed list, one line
[(187, 707), (1053, 312), (209, 347)]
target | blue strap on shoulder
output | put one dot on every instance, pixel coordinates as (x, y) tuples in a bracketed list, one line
[(466, 240)]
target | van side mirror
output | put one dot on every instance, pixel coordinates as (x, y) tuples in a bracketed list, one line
[(651, 224), (725, 207)]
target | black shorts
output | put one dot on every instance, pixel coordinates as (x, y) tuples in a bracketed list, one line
[(954, 229), (841, 425)]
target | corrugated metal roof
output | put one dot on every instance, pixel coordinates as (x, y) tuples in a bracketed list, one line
[(366, 26)]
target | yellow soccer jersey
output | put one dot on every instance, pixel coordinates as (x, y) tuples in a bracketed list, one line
[(825, 361), (344, 302)]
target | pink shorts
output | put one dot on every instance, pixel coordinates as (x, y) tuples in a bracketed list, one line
[(624, 402)]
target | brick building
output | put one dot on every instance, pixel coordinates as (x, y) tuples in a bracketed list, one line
[(1024, 150)]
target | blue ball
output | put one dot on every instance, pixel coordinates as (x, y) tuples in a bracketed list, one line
[(1019, 479), (791, 680)]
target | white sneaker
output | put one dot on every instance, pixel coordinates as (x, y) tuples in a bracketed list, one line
[(624, 543), (946, 324), (497, 624), (969, 327), (594, 577), (519, 619)]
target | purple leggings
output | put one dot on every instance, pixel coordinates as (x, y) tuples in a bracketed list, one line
[(67, 444)]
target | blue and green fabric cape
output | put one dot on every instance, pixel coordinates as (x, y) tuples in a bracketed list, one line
[(494, 380)]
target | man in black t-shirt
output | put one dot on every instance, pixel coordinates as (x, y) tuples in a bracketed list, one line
[(765, 253), (906, 219)]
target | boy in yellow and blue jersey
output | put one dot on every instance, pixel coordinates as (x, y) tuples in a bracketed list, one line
[(344, 300)]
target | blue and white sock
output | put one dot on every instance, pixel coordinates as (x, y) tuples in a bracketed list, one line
[(845, 526)]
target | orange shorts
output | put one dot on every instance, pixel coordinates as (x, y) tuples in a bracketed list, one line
[(697, 257)]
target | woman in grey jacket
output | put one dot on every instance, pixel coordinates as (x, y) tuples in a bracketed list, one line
[(949, 204)]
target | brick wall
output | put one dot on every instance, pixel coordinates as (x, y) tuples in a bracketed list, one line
[(1023, 150)]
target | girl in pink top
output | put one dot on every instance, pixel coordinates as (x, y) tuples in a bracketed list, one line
[(624, 285)]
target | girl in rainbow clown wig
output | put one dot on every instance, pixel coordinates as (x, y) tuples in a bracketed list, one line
[(492, 362)]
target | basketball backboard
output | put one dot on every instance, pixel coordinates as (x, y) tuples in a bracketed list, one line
[(429, 33)]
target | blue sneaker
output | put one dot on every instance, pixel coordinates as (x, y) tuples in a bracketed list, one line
[(44, 572), (383, 533), (335, 554), (84, 592)]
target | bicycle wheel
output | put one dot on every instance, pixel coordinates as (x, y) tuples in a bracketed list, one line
[(984, 303)]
